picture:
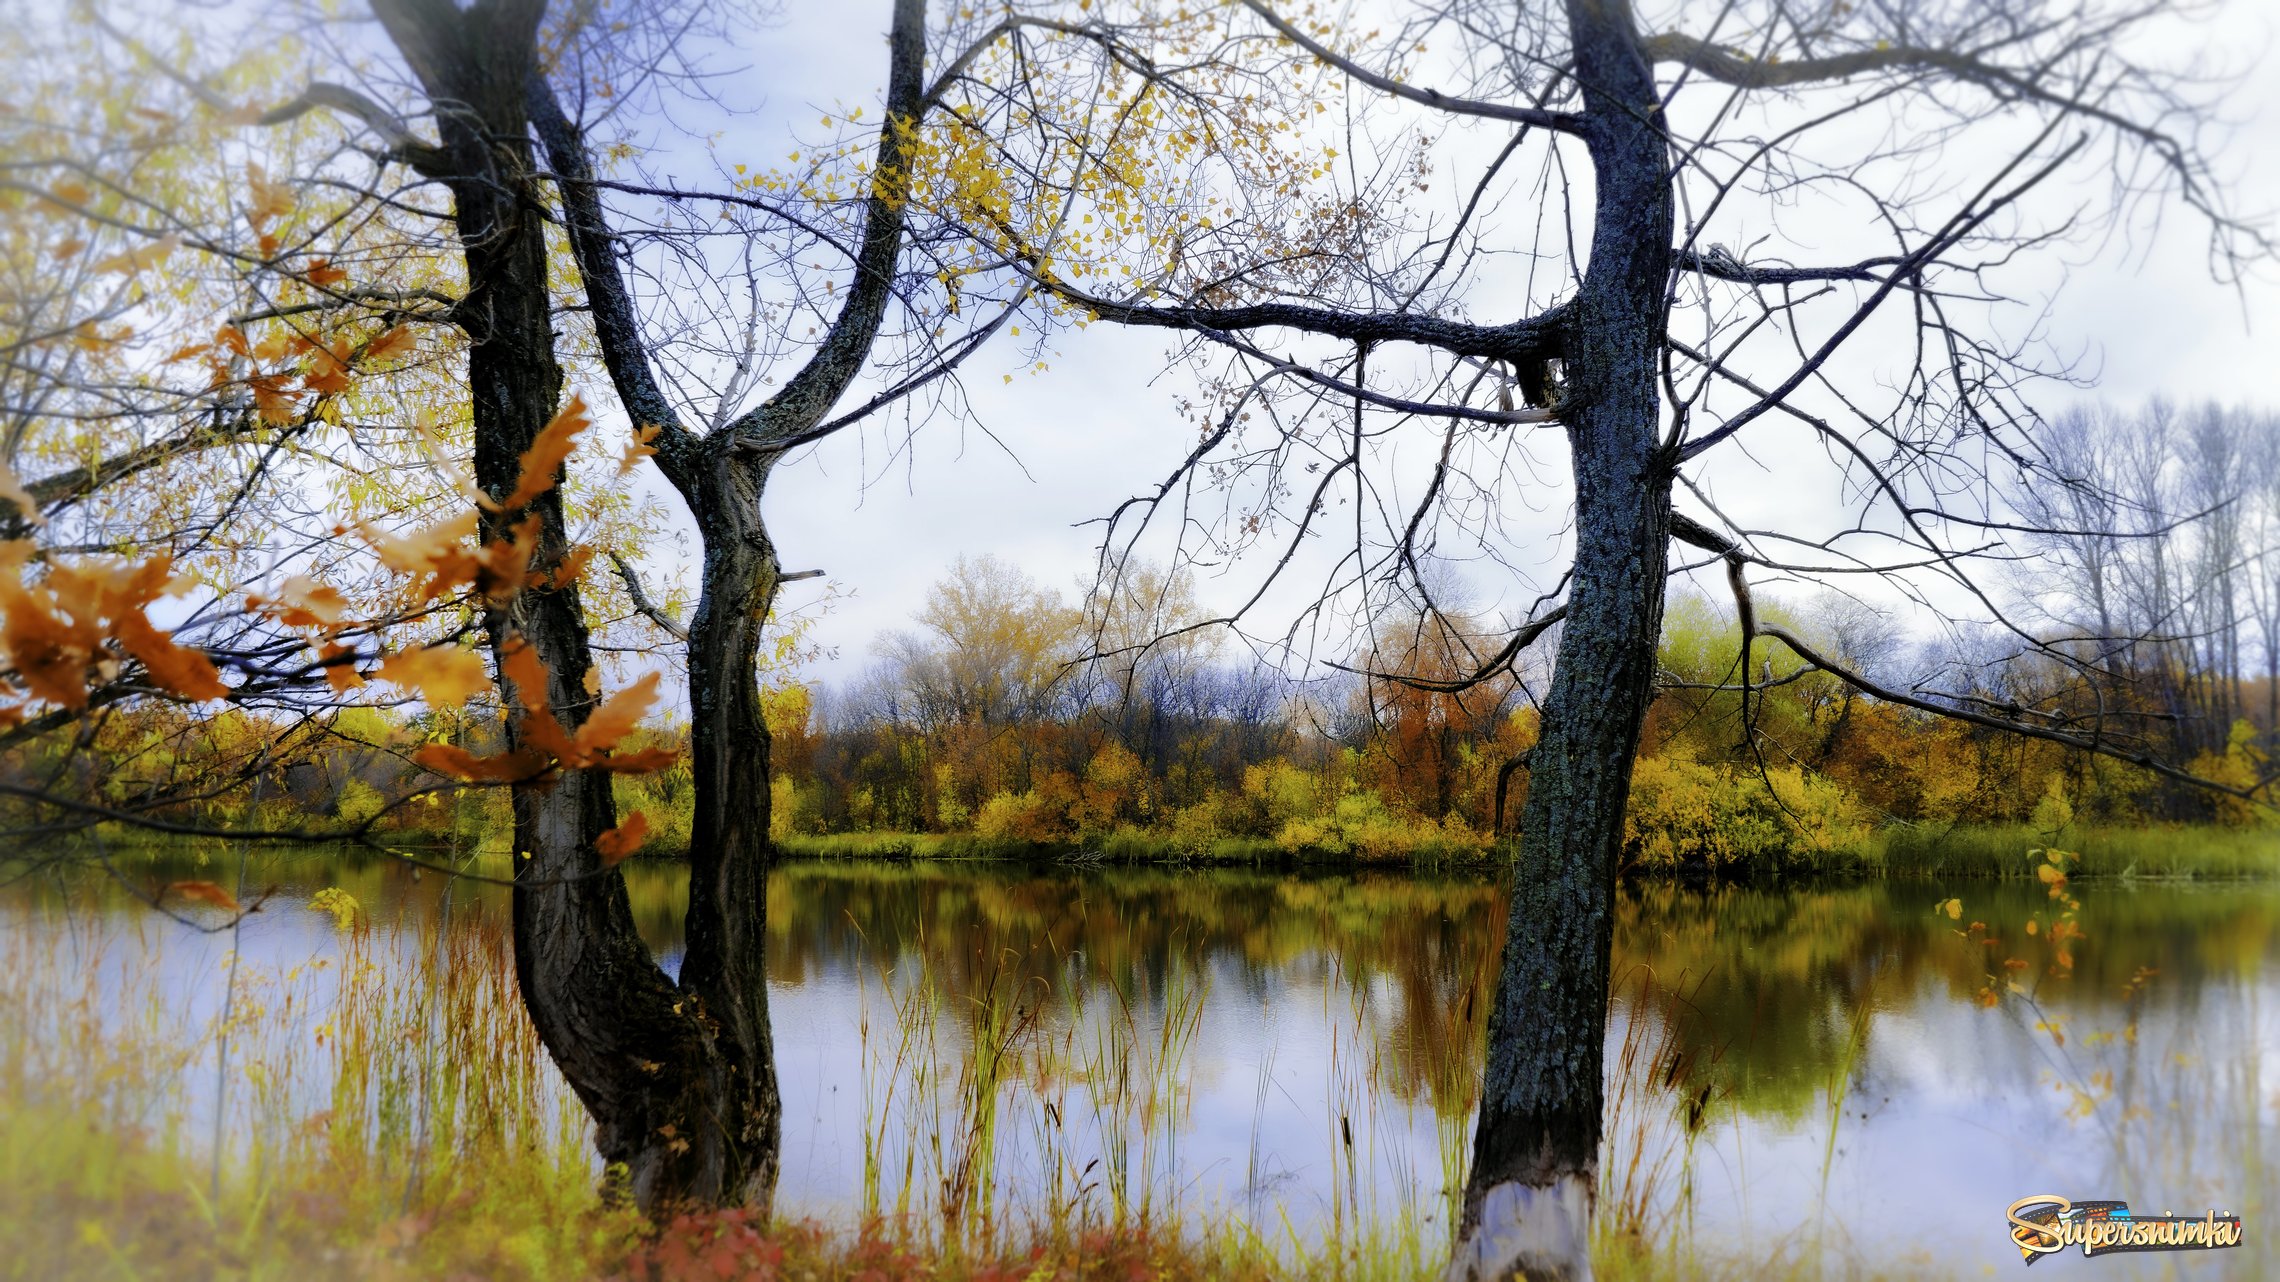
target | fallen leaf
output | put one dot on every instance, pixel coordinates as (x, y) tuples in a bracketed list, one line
[(394, 342), (13, 490)]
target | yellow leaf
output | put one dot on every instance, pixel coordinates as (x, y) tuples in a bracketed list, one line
[(445, 675)]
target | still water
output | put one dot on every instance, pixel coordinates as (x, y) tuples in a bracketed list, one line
[(1800, 1073)]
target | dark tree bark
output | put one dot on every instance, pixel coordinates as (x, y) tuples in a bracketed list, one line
[(676, 1076), (1536, 1149), (723, 477)]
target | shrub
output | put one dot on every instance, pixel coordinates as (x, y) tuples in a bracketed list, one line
[(1685, 812)]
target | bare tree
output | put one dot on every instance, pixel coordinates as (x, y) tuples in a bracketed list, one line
[(1266, 186)]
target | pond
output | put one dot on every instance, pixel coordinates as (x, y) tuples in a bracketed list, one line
[(1856, 1075)]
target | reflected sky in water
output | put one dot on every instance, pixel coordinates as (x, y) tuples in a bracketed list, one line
[(1799, 1071)]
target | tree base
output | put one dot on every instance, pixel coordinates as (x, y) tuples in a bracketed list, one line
[(1539, 1233)]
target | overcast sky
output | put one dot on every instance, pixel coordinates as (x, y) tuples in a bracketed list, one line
[(1101, 424)]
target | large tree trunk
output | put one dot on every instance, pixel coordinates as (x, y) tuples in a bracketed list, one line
[(1528, 1201), (727, 925), (669, 1080)]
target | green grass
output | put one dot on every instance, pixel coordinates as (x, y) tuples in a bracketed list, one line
[(2154, 851), (1901, 850), (1123, 846)]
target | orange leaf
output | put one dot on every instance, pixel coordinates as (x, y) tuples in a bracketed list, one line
[(623, 840), (644, 445), (540, 729), (396, 342), (265, 200), (546, 454), (50, 650), (231, 338), (639, 762), (505, 563), (278, 407), (177, 669), (13, 490), (340, 668), (140, 258), (322, 272), (616, 718), (302, 602), (565, 573), (204, 892), (445, 675), (433, 555), (506, 767), (328, 370)]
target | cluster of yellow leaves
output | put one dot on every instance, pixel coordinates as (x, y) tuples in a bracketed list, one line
[(71, 630)]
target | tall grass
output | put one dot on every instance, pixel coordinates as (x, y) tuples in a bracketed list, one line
[(1931, 850), (387, 1108)]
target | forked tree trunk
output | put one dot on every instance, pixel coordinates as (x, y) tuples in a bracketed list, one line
[(676, 1077), (723, 477), (727, 923), (1528, 1201)]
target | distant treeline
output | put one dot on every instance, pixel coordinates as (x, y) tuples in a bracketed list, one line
[(2148, 615)]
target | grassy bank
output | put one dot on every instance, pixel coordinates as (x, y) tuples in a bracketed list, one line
[(2154, 851), (1128, 846), (1918, 850)]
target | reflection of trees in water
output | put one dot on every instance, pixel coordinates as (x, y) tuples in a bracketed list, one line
[(1784, 971), (1771, 977), (1404, 950)]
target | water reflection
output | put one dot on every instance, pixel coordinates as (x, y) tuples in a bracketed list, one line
[(1806, 1071)]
